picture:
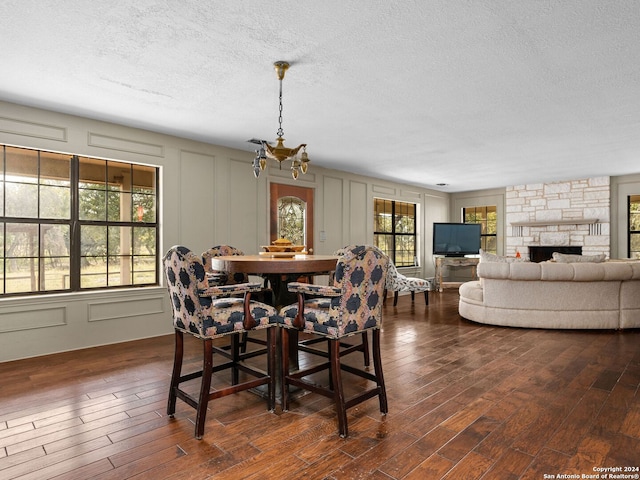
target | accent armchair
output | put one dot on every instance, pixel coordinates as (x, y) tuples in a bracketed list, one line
[(397, 282)]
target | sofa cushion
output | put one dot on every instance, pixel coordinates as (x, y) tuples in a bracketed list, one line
[(557, 272), (492, 257), (471, 291), (552, 297), (568, 258)]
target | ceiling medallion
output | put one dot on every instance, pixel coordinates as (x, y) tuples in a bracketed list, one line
[(279, 152)]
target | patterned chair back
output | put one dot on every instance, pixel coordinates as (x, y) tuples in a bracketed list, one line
[(361, 274), (220, 251), (393, 278), (186, 277)]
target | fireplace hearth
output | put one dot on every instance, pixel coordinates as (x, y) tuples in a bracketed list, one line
[(542, 253)]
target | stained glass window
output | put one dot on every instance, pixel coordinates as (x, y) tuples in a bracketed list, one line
[(291, 219)]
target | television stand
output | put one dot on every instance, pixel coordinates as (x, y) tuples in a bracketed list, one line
[(442, 263)]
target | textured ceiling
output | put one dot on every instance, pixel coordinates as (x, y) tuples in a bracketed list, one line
[(473, 94)]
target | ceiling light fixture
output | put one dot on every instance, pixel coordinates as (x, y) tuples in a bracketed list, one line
[(280, 153)]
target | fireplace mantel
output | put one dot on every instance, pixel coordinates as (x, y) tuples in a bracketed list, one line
[(544, 223)]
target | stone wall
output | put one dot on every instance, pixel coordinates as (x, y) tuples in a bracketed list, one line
[(559, 213)]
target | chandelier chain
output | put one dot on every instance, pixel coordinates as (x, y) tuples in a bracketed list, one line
[(280, 132)]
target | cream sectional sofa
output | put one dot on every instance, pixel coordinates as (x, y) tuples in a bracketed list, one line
[(554, 295)]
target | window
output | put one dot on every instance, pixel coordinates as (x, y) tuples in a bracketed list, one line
[(291, 214), (487, 217), (70, 223), (634, 226), (395, 230), (291, 219)]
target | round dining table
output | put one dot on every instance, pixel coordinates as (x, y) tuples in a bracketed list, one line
[(279, 269), (268, 264)]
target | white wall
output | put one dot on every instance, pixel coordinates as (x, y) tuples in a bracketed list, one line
[(209, 196)]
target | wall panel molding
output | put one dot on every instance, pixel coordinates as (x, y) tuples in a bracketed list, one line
[(134, 307), (376, 188), (32, 317), (360, 208), (412, 194), (33, 129), (124, 145)]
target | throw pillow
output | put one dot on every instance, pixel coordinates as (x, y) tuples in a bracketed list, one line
[(568, 258), (492, 257)]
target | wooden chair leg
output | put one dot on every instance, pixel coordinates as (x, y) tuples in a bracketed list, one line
[(177, 371), (205, 386), (235, 358), (243, 342), (413, 296), (338, 393), (395, 298), (426, 297), (377, 366), (365, 347), (271, 367), (284, 368)]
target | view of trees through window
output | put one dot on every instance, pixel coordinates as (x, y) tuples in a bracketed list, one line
[(634, 226), (69, 223), (395, 230), (487, 217)]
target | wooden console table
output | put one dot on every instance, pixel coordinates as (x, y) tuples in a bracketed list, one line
[(454, 262)]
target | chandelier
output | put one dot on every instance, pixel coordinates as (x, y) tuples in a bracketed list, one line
[(279, 152)]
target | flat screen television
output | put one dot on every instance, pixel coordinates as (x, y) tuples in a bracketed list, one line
[(456, 239)]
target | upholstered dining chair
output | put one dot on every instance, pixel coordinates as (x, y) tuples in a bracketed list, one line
[(216, 277), (309, 345), (351, 306), (207, 312), (226, 278), (397, 282)]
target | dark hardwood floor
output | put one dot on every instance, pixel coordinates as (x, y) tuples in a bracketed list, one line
[(466, 401)]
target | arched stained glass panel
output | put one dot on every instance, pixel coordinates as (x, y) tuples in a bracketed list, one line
[(291, 219)]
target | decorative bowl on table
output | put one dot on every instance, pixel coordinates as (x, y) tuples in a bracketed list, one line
[(283, 245)]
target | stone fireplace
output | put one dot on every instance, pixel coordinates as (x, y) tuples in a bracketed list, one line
[(562, 214)]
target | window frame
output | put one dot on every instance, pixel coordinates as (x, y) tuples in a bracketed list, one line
[(631, 233), (393, 251), (484, 220), (75, 225)]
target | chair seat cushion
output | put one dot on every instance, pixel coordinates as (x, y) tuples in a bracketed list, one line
[(225, 315), (414, 284), (317, 317)]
